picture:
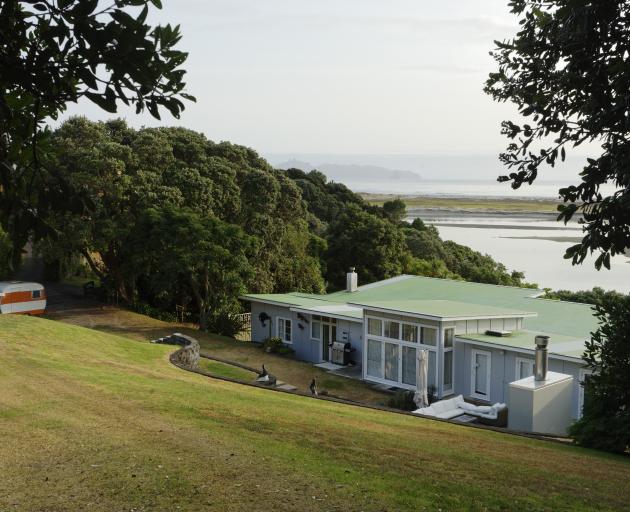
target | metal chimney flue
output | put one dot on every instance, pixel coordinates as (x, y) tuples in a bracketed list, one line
[(540, 364), (351, 281)]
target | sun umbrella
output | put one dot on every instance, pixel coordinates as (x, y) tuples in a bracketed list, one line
[(420, 397)]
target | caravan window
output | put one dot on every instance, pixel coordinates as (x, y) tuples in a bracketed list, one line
[(36, 294)]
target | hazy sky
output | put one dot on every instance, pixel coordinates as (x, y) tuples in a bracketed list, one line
[(339, 76)]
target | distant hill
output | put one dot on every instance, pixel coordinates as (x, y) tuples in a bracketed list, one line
[(352, 172)]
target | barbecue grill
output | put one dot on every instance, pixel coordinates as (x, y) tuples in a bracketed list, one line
[(341, 352)]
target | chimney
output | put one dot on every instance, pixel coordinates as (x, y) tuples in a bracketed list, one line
[(540, 364), (351, 281)]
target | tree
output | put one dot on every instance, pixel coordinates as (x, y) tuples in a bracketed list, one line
[(374, 246), (395, 210), (205, 256), (605, 422), (594, 296), (122, 172), (566, 70), (54, 53)]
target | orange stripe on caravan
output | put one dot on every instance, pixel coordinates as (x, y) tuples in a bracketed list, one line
[(13, 297), (33, 312)]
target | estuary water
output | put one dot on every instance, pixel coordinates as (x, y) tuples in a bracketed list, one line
[(531, 243), (534, 244)]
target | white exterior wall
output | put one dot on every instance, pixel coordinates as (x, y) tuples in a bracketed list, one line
[(503, 371)]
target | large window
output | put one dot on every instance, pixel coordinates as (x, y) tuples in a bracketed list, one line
[(375, 359), (428, 336), (409, 366), (375, 327), (283, 327), (392, 350), (391, 361), (409, 333), (392, 329)]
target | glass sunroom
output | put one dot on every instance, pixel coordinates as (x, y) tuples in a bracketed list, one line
[(392, 344)]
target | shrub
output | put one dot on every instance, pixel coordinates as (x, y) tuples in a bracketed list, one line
[(274, 345), (403, 400), (145, 309)]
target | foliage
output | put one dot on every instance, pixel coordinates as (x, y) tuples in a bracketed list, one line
[(480, 268), (173, 219), (125, 173), (566, 70), (5, 253), (595, 296), (52, 54), (200, 256), (394, 210), (374, 246), (605, 422), (274, 345), (376, 241), (147, 310), (402, 399)]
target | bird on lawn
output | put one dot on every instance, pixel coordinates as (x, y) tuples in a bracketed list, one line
[(313, 388), (263, 376)]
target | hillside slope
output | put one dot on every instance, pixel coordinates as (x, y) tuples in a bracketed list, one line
[(94, 421)]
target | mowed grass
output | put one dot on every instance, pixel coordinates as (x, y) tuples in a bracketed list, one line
[(226, 370), (95, 421), (116, 320)]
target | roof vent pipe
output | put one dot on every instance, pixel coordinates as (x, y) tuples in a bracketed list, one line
[(351, 281), (540, 364)]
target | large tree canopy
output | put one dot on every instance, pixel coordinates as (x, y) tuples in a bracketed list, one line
[(173, 219), (567, 71), (55, 52)]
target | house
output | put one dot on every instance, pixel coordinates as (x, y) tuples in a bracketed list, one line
[(21, 297), (480, 337)]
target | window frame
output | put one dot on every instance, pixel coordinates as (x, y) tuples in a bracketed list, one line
[(519, 360), (282, 338), (415, 332), (316, 319), (434, 349), (385, 330)]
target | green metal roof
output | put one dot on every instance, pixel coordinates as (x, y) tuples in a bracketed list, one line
[(444, 309), (556, 318), (569, 346)]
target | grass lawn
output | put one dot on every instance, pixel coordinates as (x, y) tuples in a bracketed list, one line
[(119, 321), (226, 370), (96, 421), (489, 204)]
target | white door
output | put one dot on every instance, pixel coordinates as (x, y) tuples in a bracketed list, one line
[(480, 374)]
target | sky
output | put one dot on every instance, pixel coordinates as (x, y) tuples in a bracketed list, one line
[(339, 77)]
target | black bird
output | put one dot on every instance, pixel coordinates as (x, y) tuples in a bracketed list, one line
[(313, 388), (264, 376)]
